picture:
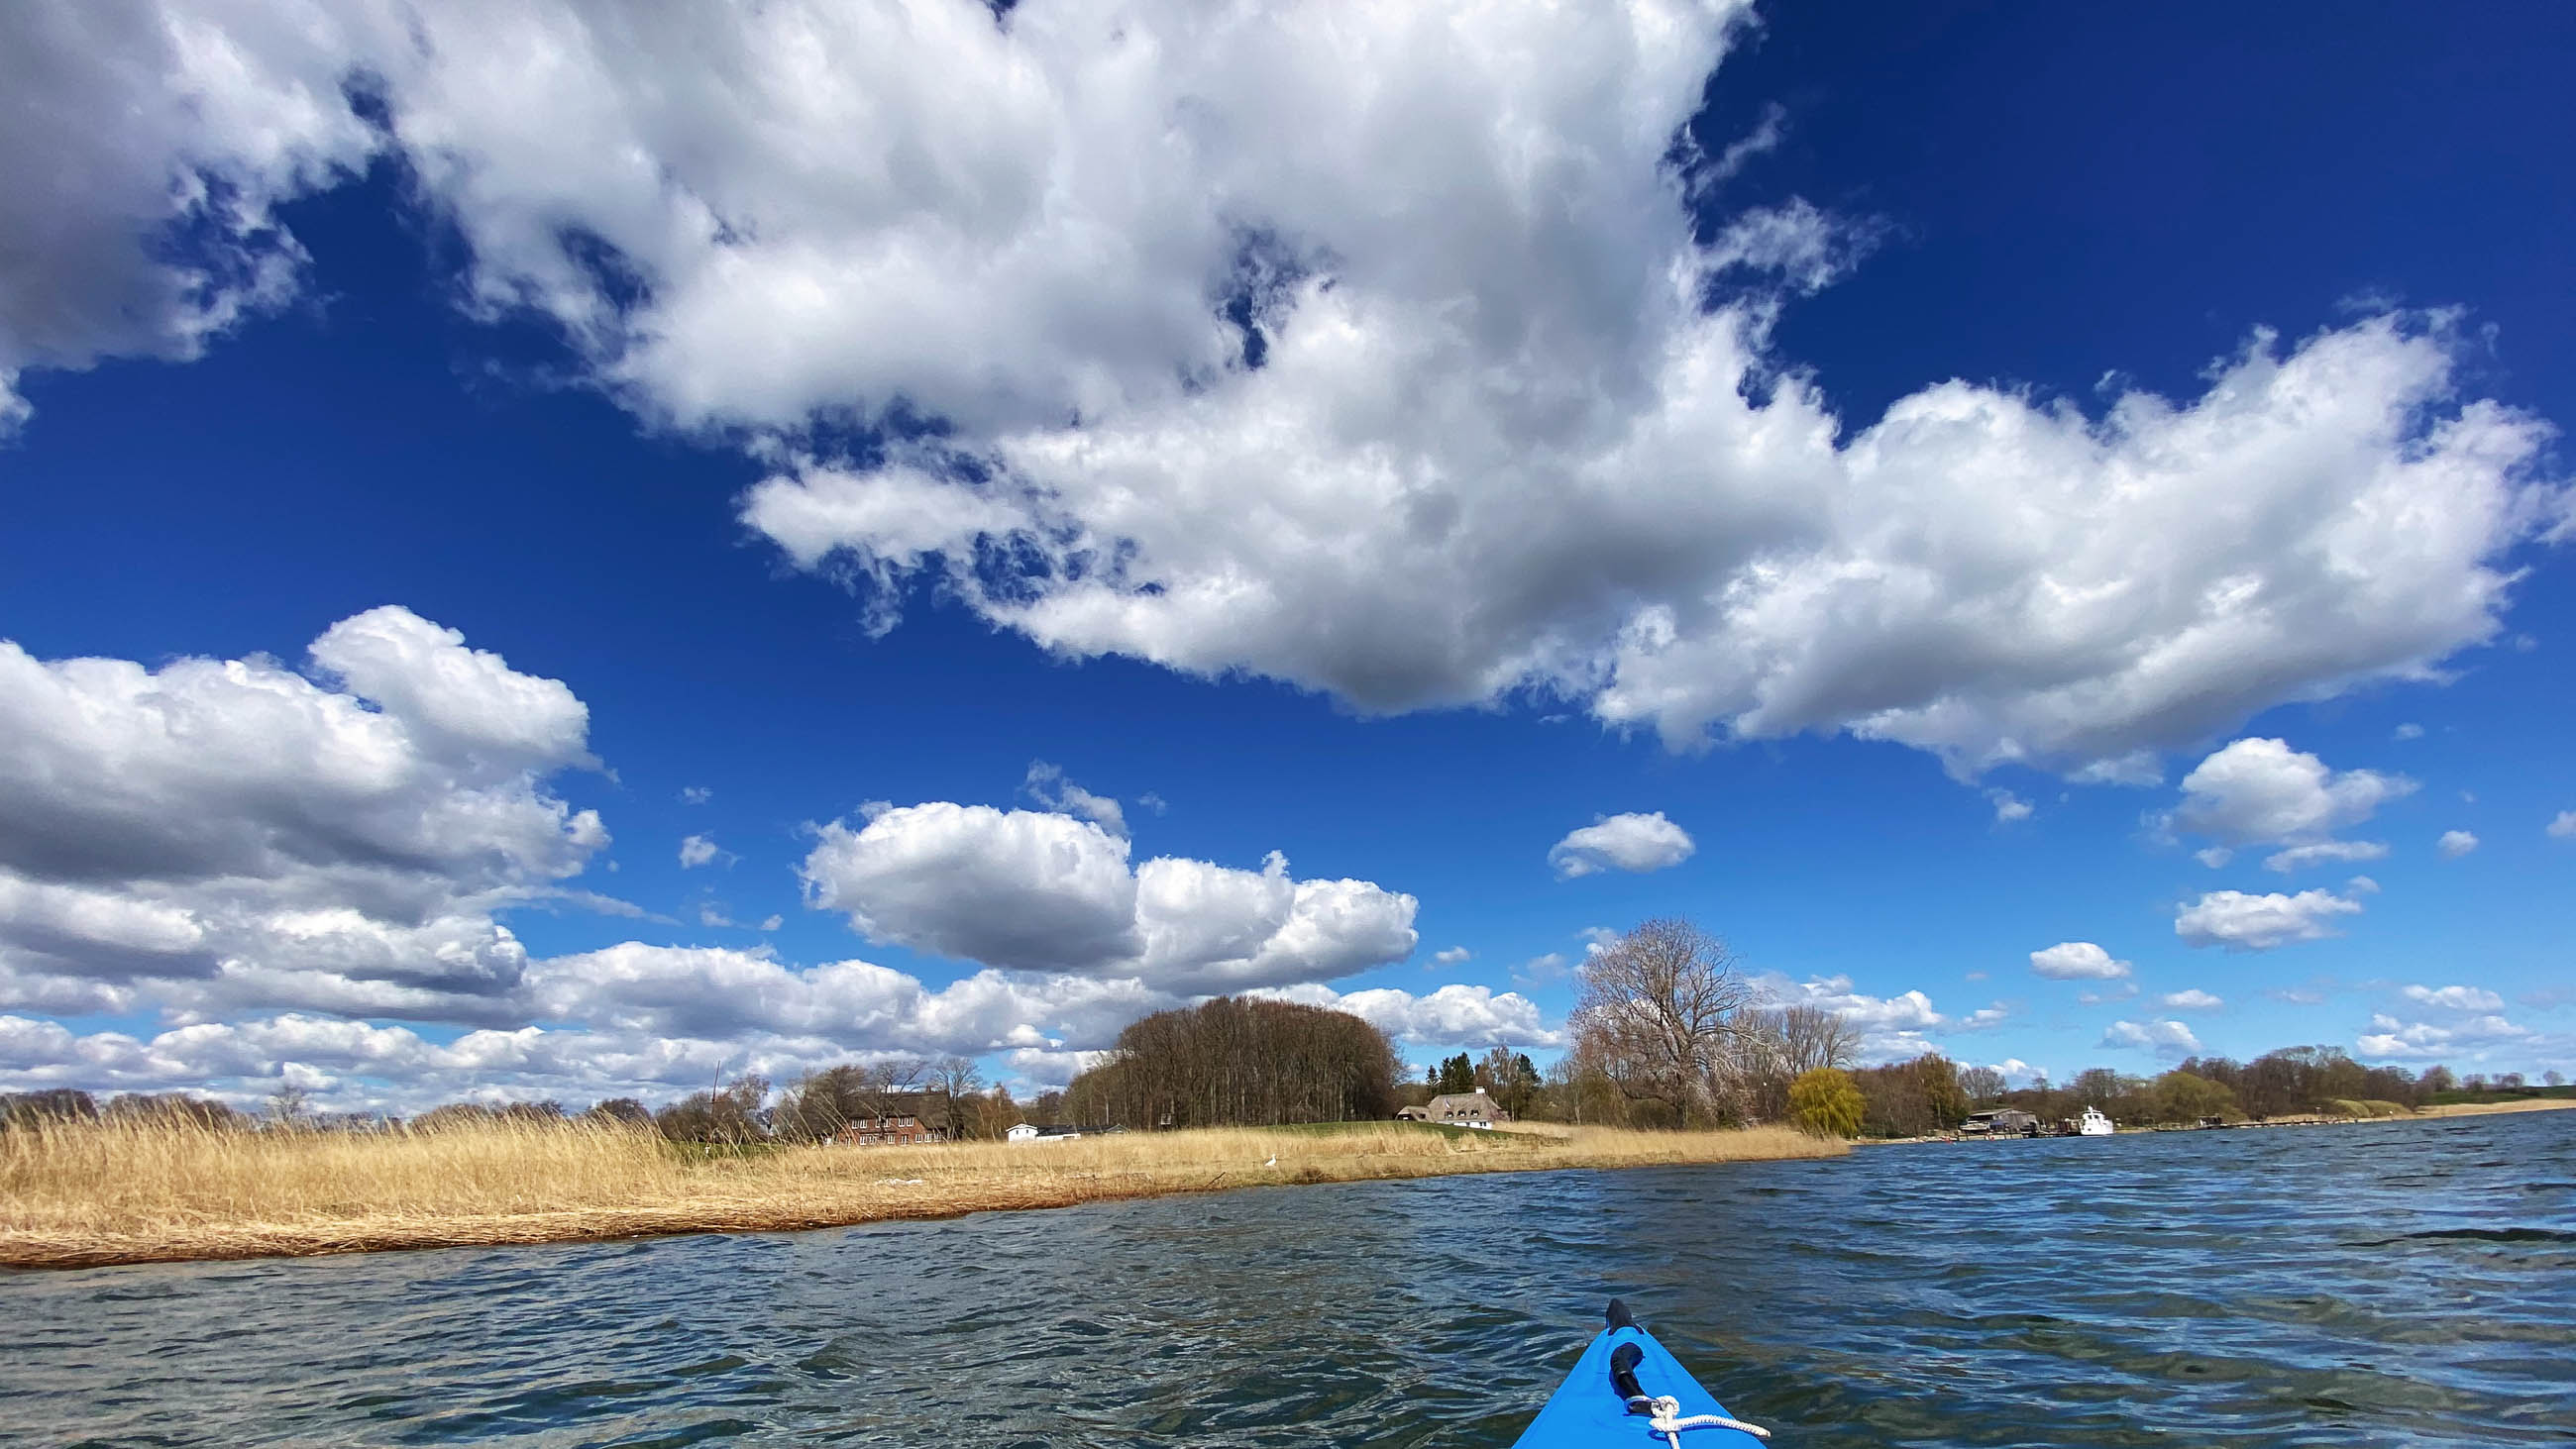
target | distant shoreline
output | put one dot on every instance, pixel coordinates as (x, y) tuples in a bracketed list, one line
[(88, 1195), (2303, 1119)]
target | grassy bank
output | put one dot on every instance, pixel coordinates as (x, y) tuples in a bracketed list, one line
[(84, 1194)]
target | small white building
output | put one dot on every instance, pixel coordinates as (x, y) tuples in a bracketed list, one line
[(1023, 1132)]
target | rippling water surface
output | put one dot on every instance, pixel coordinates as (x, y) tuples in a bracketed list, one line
[(2398, 1284)]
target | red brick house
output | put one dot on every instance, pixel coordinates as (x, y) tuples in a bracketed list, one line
[(894, 1119)]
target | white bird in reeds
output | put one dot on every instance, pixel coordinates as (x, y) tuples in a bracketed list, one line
[(1273, 1162)]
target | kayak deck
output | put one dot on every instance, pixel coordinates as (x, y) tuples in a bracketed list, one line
[(1587, 1410)]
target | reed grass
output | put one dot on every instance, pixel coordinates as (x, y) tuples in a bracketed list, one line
[(2485, 1109), (85, 1194)]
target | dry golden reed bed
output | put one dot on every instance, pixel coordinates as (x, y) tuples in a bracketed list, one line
[(2489, 1109), (80, 1195)]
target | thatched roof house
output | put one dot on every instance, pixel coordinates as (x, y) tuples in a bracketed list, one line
[(1458, 1109)]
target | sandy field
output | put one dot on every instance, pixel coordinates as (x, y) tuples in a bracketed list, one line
[(2482, 1109)]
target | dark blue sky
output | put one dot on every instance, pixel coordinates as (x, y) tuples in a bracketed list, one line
[(2086, 190)]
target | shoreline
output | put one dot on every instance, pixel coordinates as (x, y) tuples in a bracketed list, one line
[(2304, 1119), (90, 1218), (2489, 1109)]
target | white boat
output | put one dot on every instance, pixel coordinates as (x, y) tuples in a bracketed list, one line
[(2094, 1124)]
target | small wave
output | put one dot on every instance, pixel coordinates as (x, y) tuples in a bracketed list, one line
[(2480, 1235)]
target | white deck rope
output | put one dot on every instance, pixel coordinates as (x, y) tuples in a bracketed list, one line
[(1667, 1420)]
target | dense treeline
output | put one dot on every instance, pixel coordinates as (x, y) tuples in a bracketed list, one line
[(1668, 1032), (1238, 1061), (66, 1104), (2293, 1081), (946, 1095), (1913, 1098), (1271, 1062), (2440, 1085), (1931, 1093)]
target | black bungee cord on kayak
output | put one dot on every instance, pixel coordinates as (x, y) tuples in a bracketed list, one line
[(1664, 1412)]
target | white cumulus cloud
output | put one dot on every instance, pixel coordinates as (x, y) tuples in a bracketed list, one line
[(453, 700), (2077, 961), (2563, 827), (249, 836), (2392, 1039), (1891, 1027), (717, 995), (2258, 791), (633, 1019), (1448, 400), (2194, 999), (1030, 890), (1630, 842), (264, 858), (2243, 922), (1456, 1015), (2455, 843), (2169, 1039), (1021, 888)]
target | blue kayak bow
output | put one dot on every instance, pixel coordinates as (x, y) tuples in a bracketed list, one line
[(1627, 1390)]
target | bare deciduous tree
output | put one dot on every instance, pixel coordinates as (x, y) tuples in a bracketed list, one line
[(957, 1080), (725, 1115), (287, 1105), (1774, 1047), (1812, 1038), (1984, 1086), (1658, 1011)]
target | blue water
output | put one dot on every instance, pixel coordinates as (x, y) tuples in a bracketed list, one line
[(2398, 1284)]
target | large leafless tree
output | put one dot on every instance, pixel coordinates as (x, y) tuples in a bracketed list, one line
[(1659, 1012), (1773, 1046), (1811, 1037)]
